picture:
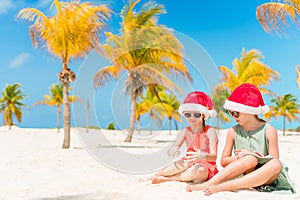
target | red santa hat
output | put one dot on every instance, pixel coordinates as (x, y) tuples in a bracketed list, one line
[(198, 101), (246, 99)]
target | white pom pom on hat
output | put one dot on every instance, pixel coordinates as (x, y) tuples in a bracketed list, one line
[(246, 99), (198, 101)]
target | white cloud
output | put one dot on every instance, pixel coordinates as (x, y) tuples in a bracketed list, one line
[(19, 60), (6, 5)]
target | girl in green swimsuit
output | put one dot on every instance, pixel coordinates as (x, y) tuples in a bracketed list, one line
[(255, 145)]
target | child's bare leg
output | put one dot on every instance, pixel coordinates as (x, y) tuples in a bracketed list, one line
[(162, 179), (265, 175), (233, 170), (175, 168), (171, 173), (196, 173)]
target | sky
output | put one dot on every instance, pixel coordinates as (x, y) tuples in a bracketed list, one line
[(219, 30)]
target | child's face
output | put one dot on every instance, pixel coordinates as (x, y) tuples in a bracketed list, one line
[(240, 118), (193, 117)]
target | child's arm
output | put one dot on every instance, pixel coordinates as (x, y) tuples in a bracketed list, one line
[(272, 138), (227, 151), (213, 145), (174, 150)]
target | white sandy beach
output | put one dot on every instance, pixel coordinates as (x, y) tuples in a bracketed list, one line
[(33, 166)]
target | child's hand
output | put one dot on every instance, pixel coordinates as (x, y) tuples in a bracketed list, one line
[(174, 151), (242, 152), (239, 153), (195, 156)]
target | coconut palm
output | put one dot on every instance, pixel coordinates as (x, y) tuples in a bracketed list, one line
[(298, 76), (276, 16), (219, 95), (145, 51), (140, 110), (285, 106), (11, 105), (55, 98), (70, 34), (169, 108), (248, 69), (149, 102)]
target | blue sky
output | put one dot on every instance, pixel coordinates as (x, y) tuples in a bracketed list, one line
[(222, 28)]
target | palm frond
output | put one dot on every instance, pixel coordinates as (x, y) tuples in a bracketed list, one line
[(275, 17), (298, 75), (229, 79), (106, 74)]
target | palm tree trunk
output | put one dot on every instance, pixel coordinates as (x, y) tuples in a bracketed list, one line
[(176, 125), (132, 119), (10, 121), (58, 117), (151, 122), (284, 125), (66, 107), (4, 121), (170, 124), (139, 125)]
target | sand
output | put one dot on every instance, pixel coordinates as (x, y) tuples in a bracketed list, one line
[(33, 166)]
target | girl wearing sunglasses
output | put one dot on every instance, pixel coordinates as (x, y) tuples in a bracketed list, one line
[(199, 163), (255, 162)]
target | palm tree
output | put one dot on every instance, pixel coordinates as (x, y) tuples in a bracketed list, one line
[(298, 76), (285, 106), (169, 108), (248, 69), (149, 103), (10, 103), (140, 110), (70, 34), (55, 98), (276, 16), (219, 95), (145, 51)]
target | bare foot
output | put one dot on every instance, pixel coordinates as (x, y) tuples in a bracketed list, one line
[(190, 188), (146, 178), (213, 189), (159, 179)]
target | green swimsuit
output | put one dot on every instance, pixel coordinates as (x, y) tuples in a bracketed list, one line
[(257, 140)]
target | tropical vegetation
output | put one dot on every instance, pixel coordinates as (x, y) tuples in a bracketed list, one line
[(11, 104), (219, 95), (148, 53), (285, 106), (169, 108), (71, 33), (249, 68), (111, 126), (55, 98), (164, 104), (277, 16)]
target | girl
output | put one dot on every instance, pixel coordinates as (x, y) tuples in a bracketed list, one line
[(199, 164), (255, 144)]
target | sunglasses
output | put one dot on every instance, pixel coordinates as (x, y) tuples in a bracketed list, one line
[(234, 114), (195, 115)]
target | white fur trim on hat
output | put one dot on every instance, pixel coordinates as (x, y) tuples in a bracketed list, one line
[(197, 107), (231, 105), (212, 113)]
